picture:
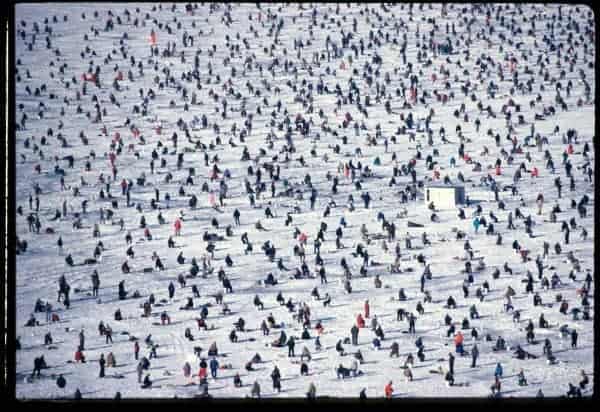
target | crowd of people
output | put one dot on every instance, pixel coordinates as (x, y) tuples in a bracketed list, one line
[(222, 160)]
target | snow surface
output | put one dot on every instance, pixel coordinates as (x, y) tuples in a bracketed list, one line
[(39, 268)]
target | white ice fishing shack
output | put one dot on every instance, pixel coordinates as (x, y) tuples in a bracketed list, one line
[(445, 196)]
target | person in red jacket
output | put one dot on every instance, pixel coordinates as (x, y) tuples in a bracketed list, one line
[(360, 322), (535, 172), (367, 308), (152, 38), (389, 390), (302, 238), (177, 227), (202, 374), (79, 356)]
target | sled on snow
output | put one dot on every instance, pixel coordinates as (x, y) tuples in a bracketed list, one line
[(413, 224)]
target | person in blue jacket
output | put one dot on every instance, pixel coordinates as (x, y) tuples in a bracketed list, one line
[(498, 371), (476, 224), (214, 365)]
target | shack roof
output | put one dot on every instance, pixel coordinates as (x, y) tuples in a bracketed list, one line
[(437, 185)]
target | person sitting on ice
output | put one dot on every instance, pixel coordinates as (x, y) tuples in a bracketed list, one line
[(584, 381), (32, 321), (342, 372), (270, 280), (574, 392), (225, 309), (339, 348), (39, 306), (239, 325), (79, 356), (305, 334), (165, 318), (271, 320), (521, 354), (147, 382), (522, 380), (212, 350), (281, 341), (500, 344)]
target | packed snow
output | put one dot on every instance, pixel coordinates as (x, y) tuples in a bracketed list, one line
[(151, 71)]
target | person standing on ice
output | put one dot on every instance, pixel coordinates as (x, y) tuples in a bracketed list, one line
[(312, 391), (354, 333), (476, 224), (214, 366), (458, 342), (389, 390), (102, 362), (290, 344), (498, 371), (81, 340), (177, 226), (255, 392), (367, 308), (474, 355), (171, 290), (276, 377)]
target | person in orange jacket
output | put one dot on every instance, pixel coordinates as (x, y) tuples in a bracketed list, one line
[(458, 341), (367, 308), (389, 390)]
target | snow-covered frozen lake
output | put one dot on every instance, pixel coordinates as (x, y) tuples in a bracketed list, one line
[(492, 43)]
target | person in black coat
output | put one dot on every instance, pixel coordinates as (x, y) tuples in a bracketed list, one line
[(291, 344), (38, 365), (276, 377), (102, 362), (61, 381), (354, 333), (147, 382)]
